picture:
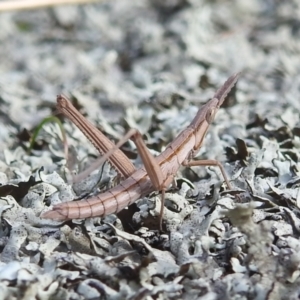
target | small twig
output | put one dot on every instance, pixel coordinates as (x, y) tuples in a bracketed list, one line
[(34, 4)]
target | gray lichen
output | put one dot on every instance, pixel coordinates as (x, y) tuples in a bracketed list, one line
[(150, 65)]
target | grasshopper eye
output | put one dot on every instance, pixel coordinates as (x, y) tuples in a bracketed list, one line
[(210, 115)]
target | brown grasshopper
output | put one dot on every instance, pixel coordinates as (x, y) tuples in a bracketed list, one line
[(158, 172)]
